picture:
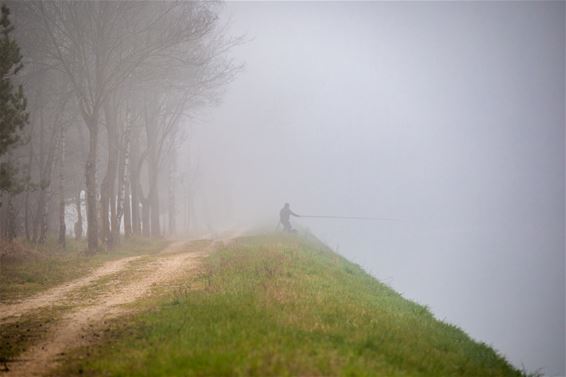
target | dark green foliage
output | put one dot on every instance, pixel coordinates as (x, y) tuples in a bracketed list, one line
[(13, 114)]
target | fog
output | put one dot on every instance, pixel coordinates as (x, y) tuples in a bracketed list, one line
[(441, 121), (446, 117)]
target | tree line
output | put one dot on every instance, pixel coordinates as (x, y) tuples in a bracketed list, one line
[(96, 97)]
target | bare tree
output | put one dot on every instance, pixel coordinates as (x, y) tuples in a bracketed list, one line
[(100, 46), (129, 74)]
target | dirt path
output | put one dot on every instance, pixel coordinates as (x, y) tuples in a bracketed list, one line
[(9, 312), (41, 357)]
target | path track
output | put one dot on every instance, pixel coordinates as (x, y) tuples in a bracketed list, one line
[(9, 312), (70, 330)]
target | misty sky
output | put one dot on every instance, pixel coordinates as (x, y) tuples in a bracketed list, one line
[(448, 117)]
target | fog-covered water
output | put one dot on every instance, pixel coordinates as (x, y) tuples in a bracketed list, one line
[(447, 117)]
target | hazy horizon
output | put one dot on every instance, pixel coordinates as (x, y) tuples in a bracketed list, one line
[(448, 117)]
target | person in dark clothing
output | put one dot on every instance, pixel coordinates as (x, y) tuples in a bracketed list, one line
[(284, 216)]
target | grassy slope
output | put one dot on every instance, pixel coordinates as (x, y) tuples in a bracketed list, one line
[(276, 305), (47, 265)]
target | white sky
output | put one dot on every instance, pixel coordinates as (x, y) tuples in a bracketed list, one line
[(447, 116)]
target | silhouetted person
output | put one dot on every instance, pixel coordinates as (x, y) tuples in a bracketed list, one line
[(284, 216)]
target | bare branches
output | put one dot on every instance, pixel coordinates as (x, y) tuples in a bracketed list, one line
[(123, 66)]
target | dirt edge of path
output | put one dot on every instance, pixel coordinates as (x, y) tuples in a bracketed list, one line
[(70, 331)]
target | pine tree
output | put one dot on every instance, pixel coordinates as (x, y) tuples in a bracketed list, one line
[(13, 114)]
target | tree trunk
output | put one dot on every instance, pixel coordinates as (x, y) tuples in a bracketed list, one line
[(107, 207), (90, 175), (104, 220), (114, 224), (134, 178), (136, 218), (171, 188), (145, 219), (127, 211), (79, 223), (153, 171), (27, 210), (62, 227), (112, 170), (41, 218), (10, 225), (107, 191), (44, 226), (123, 195), (40, 221), (154, 200), (40, 224), (103, 216), (153, 196)]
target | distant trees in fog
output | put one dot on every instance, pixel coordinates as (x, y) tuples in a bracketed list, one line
[(109, 85), (13, 114)]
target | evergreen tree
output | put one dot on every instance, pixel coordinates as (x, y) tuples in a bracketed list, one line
[(13, 114)]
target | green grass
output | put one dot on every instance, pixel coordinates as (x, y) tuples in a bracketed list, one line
[(47, 265), (285, 306)]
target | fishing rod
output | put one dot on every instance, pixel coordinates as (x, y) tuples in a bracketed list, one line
[(350, 217)]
